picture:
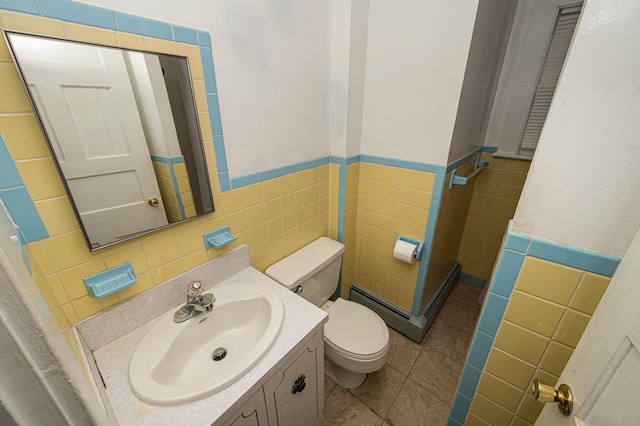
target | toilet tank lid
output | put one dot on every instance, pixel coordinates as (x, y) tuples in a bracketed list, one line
[(302, 264)]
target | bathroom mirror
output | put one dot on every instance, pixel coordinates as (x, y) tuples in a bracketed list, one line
[(122, 127)]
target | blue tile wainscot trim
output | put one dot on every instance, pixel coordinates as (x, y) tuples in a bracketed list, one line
[(17, 200), (512, 255)]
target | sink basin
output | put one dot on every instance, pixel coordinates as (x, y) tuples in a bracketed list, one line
[(174, 364)]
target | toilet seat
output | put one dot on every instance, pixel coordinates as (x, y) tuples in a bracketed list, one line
[(355, 331)]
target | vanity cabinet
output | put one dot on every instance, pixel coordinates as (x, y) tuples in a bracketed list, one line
[(292, 395)]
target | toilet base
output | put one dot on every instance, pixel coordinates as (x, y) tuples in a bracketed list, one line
[(344, 378)]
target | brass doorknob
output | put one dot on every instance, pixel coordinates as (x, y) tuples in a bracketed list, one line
[(545, 393), (153, 202)]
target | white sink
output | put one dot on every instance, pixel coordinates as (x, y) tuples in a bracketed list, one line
[(173, 363)]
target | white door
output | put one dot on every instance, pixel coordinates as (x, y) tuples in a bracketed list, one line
[(86, 102), (604, 371)]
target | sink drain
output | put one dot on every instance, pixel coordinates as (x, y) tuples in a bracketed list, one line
[(219, 354)]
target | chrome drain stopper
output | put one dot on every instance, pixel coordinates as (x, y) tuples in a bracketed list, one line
[(219, 354)]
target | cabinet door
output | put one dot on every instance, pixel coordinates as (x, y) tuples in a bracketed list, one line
[(292, 394), (252, 413)]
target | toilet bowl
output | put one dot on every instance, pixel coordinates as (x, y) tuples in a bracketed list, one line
[(356, 339)]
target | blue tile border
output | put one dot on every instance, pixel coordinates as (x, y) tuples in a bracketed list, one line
[(184, 35), (478, 282), (24, 213), (403, 164), (17, 200), (506, 273), (78, 13), (249, 179), (469, 380), (23, 6), (596, 263), (460, 408), (492, 312), (143, 26)]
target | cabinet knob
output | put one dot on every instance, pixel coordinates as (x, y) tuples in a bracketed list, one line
[(298, 385)]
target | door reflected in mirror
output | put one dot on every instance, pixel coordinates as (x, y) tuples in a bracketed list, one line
[(123, 129)]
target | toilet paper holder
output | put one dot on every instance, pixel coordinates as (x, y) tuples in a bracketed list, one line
[(419, 244)]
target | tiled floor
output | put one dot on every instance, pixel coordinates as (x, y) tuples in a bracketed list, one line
[(417, 385)]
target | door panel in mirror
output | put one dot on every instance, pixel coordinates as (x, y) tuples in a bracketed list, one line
[(123, 129)]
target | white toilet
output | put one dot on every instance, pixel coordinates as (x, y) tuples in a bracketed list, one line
[(356, 339)]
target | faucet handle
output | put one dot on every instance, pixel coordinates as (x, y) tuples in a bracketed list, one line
[(194, 288)]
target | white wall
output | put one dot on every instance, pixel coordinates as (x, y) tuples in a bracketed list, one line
[(272, 62), (415, 64), (490, 33), (584, 181)]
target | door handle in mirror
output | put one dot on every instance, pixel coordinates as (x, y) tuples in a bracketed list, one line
[(153, 202)]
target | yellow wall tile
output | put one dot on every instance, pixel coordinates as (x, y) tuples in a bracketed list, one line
[(14, 98), (57, 215), (529, 409), (517, 421), (520, 342), (160, 249), (195, 64), (571, 327), (555, 358), (31, 24), (91, 34), (490, 411), (41, 178), (162, 46), (87, 306), (548, 280), (253, 194), (68, 250), (238, 221), (533, 313), (424, 181), (72, 278), (143, 283), (130, 41), (499, 391), (256, 215), (589, 293), (17, 130), (5, 55), (194, 259), (509, 368), (55, 286), (233, 200), (128, 253), (166, 272), (473, 420)]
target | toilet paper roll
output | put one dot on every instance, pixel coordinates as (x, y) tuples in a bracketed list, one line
[(404, 251)]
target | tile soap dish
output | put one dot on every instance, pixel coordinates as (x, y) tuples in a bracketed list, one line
[(110, 281), (218, 238)]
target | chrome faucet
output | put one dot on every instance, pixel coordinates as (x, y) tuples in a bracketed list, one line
[(196, 303)]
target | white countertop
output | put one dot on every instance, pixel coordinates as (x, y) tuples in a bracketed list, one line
[(301, 319)]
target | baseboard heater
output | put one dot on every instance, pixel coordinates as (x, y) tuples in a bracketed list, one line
[(414, 327)]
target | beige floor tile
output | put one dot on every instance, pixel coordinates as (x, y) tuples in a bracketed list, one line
[(402, 352), (465, 292), (449, 340), (342, 408), (329, 385), (416, 406), (438, 373), (380, 389), (460, 313)]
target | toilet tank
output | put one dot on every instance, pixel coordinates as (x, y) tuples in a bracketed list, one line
[(315, 267)]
